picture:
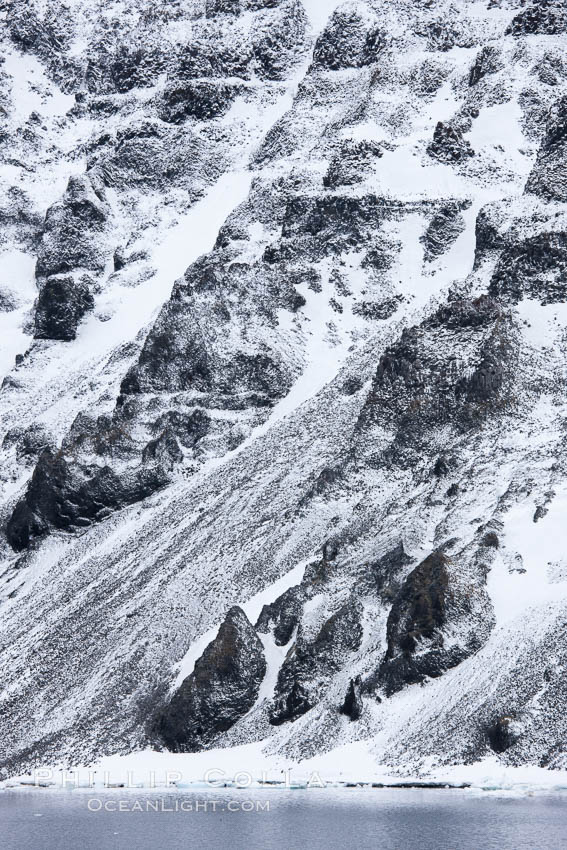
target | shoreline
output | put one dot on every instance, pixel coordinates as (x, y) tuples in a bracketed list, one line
[(248, 768)]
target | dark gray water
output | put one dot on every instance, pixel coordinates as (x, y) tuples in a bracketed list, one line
[(295, 820)]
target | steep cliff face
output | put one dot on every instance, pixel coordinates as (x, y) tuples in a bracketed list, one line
[(283, 442)]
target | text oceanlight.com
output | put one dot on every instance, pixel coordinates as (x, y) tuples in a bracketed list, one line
[(173, 805)]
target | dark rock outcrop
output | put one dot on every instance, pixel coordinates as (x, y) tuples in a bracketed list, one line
[(347, 41), (442, 467), (448, 145), (487, 62), (334, 221), (433, 603), (533, 268), (210, 58), (353, 705), (546, 17), (382, 578), (201, 100), (283, 616), (418, 614), (548, 178), (280, 40), (293, 704), (503, 734), (65, 496), (443, 230), (489, 235), (189, 428), (186, 350), (28, 442), (71, 252), (420, 384), (377, 310), (309, 663), (351, 163), (72, 229), (223, 7), (222, 688), (462, 313), (63, 301), (445, 33), (491, 540), (164, 450), (126, 67)]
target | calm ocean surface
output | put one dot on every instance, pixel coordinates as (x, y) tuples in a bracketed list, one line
[(296, 820)]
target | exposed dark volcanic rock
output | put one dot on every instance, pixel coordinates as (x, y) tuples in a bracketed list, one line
[(448, 144), (352, 706), (445, 227), (29, 442), (221, 689), (178, 356), (490, 239), (283, 615), (534, 268), (542, 18), (77, 233), (503, 734), (488, 61), (61, 496), (72, 250), (436, 595), (200, 100), (420, 385), (383, 577), (350, 40), (548, 176), (351, 163), (62, 303), (310, 662), (72, 229), (418, 614)]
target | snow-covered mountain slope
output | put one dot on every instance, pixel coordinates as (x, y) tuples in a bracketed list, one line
[(283, 447)]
